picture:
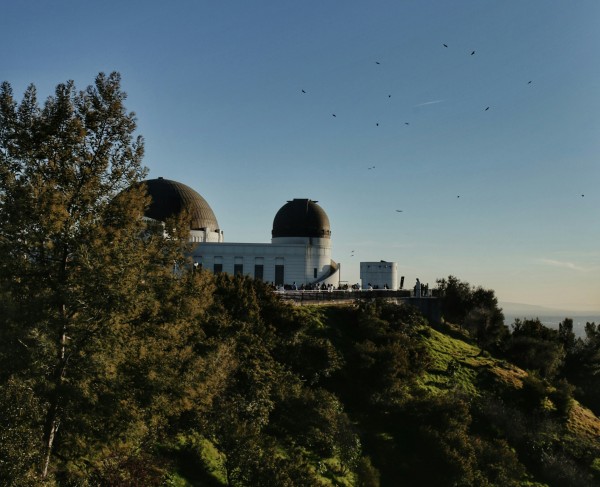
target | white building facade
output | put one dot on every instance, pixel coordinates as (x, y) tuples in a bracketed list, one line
[(379, 275), (281, 264), (299, 252)]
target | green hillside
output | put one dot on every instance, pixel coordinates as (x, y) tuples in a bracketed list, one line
[(259, 392)]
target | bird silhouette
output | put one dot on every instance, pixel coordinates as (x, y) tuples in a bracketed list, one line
[(486, 109), (303, 91), (445, 45), (377, 62), (458, 196), (333, 114), (389, 96), (582, 195), (372, 167), (472, 52), (406, 123), (529, 82), (398, 211), (377, 124)]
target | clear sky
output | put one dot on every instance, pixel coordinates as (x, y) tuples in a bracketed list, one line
[(492, 196)]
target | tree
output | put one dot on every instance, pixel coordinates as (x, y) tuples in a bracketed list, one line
[(84, 279), (582, 362), (455, 296), (476, 309), (487, 327), (536, 347), (20, 420)]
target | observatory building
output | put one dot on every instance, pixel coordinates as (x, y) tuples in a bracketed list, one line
[(169, 198), (299, 252), (379, 275)]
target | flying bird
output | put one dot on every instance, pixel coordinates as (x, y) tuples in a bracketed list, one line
[(303, 91), (389, 96), (406, 123), (377, 62), (377, 124), (486, 109), (333, 114), (372, 167), (445, 45), (398, 211), (529, 82), (458, 196), (472, 52), (582, 195)]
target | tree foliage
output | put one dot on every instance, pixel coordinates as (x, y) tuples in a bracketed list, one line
[(535, 347), (91, 310), (582, 362), (474, 308)]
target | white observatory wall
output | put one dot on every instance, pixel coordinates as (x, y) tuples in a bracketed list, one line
[(206, 236), (299, 259), (379, 274), (318, 256)]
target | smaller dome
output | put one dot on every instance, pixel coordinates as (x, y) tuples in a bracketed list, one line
[(301, 218), (169, 198)]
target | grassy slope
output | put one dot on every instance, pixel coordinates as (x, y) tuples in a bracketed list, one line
[(446, 350), (456, 364)]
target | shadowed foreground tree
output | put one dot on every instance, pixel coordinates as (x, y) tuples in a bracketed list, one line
[(91, 308)]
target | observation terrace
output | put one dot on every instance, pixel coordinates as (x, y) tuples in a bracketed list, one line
[(429, 305)]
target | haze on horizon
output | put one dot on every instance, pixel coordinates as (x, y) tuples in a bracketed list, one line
[(481, 120)]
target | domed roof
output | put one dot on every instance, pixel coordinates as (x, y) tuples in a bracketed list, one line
[(169, 198), (301, 218)]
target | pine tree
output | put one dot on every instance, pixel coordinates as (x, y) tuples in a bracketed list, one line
[(95, 299)]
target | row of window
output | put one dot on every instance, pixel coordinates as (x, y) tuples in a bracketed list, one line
[(259, 269)]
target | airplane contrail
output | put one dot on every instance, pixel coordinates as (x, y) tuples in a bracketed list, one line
[(433, 102)]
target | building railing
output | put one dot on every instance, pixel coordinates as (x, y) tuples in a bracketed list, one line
[(350, 294)]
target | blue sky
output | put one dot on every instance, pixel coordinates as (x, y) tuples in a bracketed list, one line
[(217, 89)]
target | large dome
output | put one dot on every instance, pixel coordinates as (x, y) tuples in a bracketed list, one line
[(301, 218), (169, 198)]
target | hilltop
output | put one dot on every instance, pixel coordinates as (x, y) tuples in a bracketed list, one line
[(243, 389)]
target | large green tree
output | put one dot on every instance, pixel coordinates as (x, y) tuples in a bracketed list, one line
[(95, 300)]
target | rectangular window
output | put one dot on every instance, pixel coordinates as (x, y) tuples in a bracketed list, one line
[(259, 271), (218, 264), (238, 266), (315, 273), (279, 274)]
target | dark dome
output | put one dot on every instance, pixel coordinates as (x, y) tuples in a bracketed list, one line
[(169, 198), (301, 218)]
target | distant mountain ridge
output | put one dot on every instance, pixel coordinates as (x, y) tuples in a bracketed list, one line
[(510, 308)]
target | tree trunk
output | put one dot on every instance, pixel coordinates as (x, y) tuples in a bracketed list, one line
[(53, 417)]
